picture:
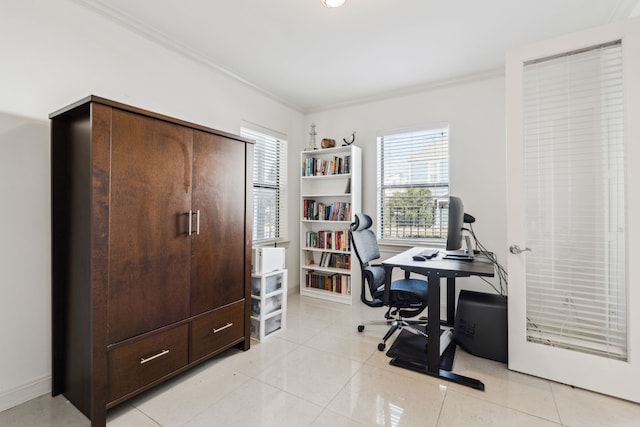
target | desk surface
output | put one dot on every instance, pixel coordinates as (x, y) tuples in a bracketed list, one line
[(480, 266)]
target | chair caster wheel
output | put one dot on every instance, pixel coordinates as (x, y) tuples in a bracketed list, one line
[(360, 328), (381, 346)]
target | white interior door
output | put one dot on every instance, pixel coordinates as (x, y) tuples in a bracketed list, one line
[(574, 298)]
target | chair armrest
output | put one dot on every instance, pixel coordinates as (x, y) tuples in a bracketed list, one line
[(376, 274), (372, 279)]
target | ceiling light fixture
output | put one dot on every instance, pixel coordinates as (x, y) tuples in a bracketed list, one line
[(333, 3)]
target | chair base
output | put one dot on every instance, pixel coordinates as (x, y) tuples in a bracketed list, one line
[(396, 324)]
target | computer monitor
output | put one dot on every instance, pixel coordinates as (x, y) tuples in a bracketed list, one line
[(455, 223)]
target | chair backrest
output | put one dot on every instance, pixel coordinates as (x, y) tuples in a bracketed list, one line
[(365, 245), (363, 239)]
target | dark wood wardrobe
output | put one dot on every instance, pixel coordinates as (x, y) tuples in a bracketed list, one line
[(151, 249)]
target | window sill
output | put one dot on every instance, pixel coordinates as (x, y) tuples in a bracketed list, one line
[(273, 243), (406, 244)]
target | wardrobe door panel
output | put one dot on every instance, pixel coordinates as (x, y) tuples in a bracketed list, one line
[(217, 269), (149, 245)]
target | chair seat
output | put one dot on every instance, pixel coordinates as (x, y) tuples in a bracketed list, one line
[(406, 292), (413, 286)]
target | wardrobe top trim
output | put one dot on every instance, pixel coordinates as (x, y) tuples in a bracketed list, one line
[(129, 108)]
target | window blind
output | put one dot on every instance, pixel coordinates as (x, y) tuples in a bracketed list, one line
[(575, 207), (269, 184), (413, 184)]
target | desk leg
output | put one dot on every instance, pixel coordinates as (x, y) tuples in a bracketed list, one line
[(451, 301), (433, 340), (433, 327), (442, 374), (433, 330)]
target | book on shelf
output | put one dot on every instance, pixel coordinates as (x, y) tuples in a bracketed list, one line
[(332, 282), (337, 240), (335, 211), (308, 258), (336, 165), (333, 260)]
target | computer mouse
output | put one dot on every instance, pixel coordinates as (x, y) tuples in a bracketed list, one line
[(419, 258)]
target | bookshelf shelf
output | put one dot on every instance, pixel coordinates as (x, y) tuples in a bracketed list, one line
[(330, 194), (333, 195), (326, 269), (332, 176)]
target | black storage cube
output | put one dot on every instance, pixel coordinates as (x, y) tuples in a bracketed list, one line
[(481, 325)]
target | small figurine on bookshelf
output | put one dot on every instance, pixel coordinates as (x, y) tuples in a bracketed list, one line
[(312, 138), (351, 140), (327, 143)]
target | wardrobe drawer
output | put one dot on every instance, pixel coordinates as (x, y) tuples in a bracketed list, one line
[(217, 329), (139, 363)]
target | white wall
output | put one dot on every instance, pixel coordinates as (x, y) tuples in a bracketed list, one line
[(54, 53), (25, 326), (475, 113)]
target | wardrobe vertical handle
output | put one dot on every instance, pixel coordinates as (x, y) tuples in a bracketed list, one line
[(190, 221), (198, 222)]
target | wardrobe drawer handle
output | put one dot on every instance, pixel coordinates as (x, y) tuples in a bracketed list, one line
[(149, 359), (228, 325)]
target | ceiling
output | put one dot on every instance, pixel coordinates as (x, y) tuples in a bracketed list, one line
[(312, 58)]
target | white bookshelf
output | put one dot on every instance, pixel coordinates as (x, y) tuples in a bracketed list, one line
[(326, 260)]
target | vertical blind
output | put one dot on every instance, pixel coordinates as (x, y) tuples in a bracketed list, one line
[(575, 207), (269, 184), (413, 184)]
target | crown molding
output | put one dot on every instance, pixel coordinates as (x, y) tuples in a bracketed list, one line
[(413, 90), (101, 8)]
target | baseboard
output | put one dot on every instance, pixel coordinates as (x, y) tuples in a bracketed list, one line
[(16, 396)]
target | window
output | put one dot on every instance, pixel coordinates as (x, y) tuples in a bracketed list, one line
[(413, 184), (269, 182), (575, 201)]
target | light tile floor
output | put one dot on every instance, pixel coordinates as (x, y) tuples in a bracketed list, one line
[(321, 372)]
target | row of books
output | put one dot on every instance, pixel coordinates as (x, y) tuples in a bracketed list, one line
[(337, 240), (338, 283), (336, 211), (313, 166), (333, 260)]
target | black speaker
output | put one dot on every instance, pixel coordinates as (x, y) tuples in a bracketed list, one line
[(481, 325)]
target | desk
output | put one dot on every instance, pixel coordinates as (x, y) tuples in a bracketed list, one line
[(436, 269)]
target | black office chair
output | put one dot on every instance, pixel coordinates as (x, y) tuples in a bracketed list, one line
[(407, 297)]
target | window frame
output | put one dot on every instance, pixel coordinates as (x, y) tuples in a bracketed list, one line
[(423, 135), (261, 136)]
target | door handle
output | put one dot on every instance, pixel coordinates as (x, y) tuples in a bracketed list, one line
[(515, 249)]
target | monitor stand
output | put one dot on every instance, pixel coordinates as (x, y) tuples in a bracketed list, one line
[(461, 255)]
